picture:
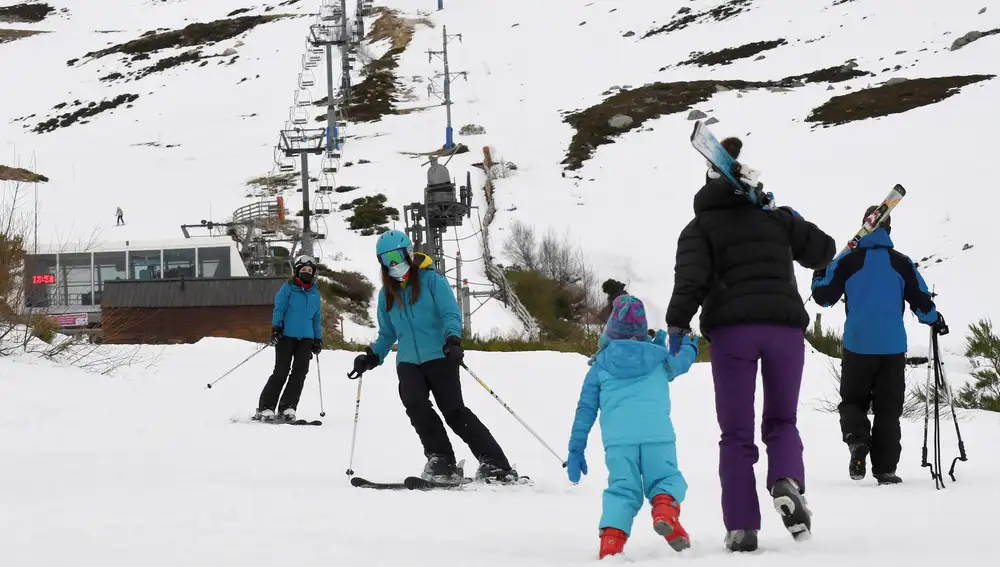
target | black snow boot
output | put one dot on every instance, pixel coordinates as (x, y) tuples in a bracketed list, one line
[(859, 455), (887, 478), (490, 473), (791, 504), (741, 540), (441, 468)]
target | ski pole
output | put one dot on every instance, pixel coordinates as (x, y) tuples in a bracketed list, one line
[(938, 479), (506, 407), (319, 380), (927, 401), (354, 433), (951, 402), (233, 369)]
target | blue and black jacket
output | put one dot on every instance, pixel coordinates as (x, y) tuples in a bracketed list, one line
[(876, 280)]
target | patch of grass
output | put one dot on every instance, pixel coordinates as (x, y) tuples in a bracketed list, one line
[(891, 98), (84, 112), (685, 17), (25, 13), (828, 342), (22, 175), (193, 35), (44, 328), (274, 182), (7, 36), (375, 96), (730, 54), (191, 56), (550, 303), (837, 74), (370, 213)]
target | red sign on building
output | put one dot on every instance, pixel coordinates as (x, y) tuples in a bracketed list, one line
[(70, 319)]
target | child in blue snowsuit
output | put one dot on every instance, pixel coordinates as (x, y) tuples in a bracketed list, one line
[(629, 382)]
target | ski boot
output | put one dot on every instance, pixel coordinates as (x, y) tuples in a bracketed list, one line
[(612, 542), (887, 478), (667, 523), (859, 453), (791, 504), (287, 414), (489, 473), (264, 415), (741, 540), (441, 468)]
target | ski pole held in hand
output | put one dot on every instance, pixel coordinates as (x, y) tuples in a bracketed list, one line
[(506, 407), (233, 369), (319, 379), (354, 433)]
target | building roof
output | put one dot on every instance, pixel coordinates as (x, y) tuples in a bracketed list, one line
[(201, 292), (121, 246)]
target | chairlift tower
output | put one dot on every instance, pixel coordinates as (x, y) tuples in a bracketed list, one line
[(427, 222), (301, 143), (449, 135)]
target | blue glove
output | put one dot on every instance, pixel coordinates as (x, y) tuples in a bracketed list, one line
[(575, 464), (791, 210), (676, 337)]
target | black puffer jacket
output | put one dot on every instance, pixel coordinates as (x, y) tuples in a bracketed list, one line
[(734, 260)]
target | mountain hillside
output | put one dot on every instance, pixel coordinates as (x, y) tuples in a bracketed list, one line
[(835, 100)]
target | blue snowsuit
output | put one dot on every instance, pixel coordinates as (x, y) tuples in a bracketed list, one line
[(630, 384)]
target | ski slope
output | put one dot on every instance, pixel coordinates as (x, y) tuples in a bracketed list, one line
[(527, 64), (143, 467)]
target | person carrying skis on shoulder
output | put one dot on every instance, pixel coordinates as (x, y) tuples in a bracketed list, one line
[(297, 334), (416, 307), (735, 262), (876, 280), (630, 385)]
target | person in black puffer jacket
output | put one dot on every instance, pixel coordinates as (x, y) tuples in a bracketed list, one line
[(735, 263)]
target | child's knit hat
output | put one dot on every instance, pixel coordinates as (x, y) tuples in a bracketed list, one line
[(627, 320)]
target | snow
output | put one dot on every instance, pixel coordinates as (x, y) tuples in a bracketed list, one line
[(143, 466)]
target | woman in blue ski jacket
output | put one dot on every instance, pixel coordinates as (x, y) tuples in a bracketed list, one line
[(417, 311), (629, 383), (297, 334)]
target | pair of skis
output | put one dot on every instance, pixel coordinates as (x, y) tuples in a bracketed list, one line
[(417, 483), (708, 146), (278, 421)]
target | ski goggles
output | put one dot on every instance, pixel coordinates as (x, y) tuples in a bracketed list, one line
[(393, 257)]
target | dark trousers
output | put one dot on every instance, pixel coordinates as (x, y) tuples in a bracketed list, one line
[(440, 377), (876, 382), (289, 354)]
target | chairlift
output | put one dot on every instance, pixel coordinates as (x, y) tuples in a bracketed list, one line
[(306, 79), (327, 13), (287, 165), (298, 117), (303, 98), (318, 236)]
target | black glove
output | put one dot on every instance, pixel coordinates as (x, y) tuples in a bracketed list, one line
[(317, 346), (939, 326), (363, 363), (276, 334), (453, 350)]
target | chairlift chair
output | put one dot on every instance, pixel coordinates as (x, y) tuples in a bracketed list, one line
[(306, 79), (303, 98), (287, 165), (327, 12)]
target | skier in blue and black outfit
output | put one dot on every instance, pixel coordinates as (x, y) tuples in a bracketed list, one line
[(876, 280), (417, 309)]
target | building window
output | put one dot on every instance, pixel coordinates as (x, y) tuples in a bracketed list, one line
[(179, 263), (40, 281), (73, 279), (214, 262), (144, 264), (108, 266)]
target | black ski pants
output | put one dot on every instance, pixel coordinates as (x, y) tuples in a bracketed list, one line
[(289, 354), (876, 382), (441, 378)]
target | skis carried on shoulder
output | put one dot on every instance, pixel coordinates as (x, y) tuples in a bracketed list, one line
[(709, 147), (875, 219)]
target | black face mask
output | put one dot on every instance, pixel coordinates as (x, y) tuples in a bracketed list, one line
[(306, 277)]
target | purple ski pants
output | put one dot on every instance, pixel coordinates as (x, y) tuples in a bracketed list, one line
[(735, 352)]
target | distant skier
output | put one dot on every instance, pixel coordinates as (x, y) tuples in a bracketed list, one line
[(416, 307), (297, 334), (121, 217), (735, 262), (876, 280), (630, 385)]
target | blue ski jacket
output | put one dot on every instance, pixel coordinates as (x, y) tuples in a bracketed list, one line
[(630, 385), (876, 280), (422, 328), (297, 311)]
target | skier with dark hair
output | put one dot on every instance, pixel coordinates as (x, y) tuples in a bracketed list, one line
[(613, 289), (416, 307), (297, 334), (735, 262), (875, 280)]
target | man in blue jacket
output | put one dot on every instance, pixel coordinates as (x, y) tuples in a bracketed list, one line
[(296, 334), (876, 280)]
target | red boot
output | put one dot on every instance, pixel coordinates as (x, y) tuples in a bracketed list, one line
[(612, 542), (667, 523)]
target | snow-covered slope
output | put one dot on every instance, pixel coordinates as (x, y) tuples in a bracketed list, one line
[(144, 468), (528, 64)]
